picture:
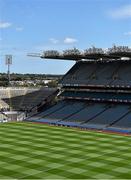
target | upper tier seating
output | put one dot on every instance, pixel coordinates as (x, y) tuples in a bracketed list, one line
[(123, 75), (99, 74)]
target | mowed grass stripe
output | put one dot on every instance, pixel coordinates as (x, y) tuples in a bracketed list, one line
[(41, 128), (80, 150)]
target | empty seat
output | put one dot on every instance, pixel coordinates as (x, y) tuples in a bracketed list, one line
[(87, 113), (125, 122), (69, 109), (110, 115)]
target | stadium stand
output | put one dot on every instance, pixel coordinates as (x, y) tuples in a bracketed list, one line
[(23, 98), (93, 73), (97, 96), (109, 115), (49, 111), (124, 122), (87, 113), (95, 93), (61, 111), (16, 104), (84, 115), (69, 109)]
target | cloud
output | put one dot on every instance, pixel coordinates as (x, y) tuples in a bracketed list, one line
[(4, 25), (127, 33), (54, 41), (122, 12), (69, 40), (19, 28)]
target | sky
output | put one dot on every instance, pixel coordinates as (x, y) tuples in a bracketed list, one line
[(32, 26)]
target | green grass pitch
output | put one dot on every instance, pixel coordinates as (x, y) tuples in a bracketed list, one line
[(34, 151)]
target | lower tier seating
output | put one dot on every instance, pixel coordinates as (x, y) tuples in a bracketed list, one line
[(125, 122), (85, 114), (23, 98), (110, 115)]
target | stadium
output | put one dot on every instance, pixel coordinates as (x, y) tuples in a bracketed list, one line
[(95, 92), (80, 130)]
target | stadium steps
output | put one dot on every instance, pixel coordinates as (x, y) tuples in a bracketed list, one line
[(72, 114), (96, 115), (43, 115), (113, 123), (54, 111), (114, 73), (92, 73), (70, 108)]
